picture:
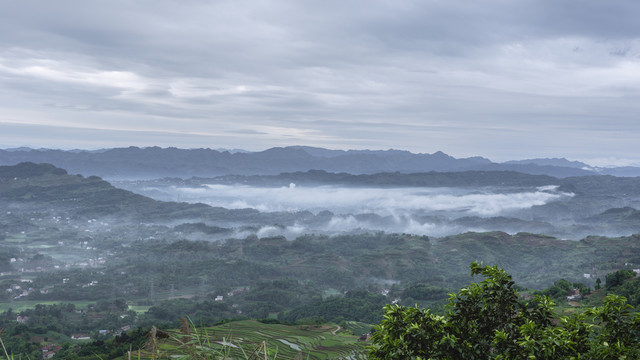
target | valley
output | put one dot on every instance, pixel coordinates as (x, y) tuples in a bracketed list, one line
[(299, 248)]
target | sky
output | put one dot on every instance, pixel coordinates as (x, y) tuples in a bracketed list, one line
[(503, 79)]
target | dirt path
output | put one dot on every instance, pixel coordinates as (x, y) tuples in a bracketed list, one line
[(336, 330)]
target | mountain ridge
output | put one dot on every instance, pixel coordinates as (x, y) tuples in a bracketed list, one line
[(156, 162)]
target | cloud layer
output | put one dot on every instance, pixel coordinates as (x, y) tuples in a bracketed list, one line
[(508, 80), (381, 201), (403, 210)]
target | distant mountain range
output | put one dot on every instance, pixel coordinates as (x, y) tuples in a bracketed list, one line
[(156, 162)]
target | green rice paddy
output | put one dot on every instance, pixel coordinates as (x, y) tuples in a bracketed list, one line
[(242, 338)]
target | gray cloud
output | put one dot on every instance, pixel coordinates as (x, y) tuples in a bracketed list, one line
[(502, 79)]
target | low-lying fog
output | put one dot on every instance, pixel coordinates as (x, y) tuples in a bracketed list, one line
[(424, 211), (381, 201)]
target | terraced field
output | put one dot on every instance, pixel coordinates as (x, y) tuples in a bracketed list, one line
[(240, 339)]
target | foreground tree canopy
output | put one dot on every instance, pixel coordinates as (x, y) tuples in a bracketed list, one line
[(489, 320)]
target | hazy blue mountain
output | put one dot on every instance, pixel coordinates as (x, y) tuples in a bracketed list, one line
[(395, 179), (22, 148), (534, 169), (156, 162), (562, 162), (621, 171), (28, 170)]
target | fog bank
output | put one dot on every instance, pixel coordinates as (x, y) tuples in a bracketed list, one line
[(380, 201)]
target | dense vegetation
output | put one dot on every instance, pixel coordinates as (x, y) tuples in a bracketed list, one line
[(487, 315), (489, 320), (105, 260)]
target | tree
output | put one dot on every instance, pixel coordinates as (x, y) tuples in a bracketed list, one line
[(617, 278), (489, 320)]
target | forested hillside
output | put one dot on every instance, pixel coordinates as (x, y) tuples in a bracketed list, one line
[(80, 256)]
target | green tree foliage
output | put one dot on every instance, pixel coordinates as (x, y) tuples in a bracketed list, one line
[(170, 311), (561, 288), (625, 283), (617, 278), (358, 305), (423, 291), (489, 320)]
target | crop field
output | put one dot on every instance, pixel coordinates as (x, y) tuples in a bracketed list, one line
[(140, 309), (21, 305), (357, 328), (240, 339), (17, 238)]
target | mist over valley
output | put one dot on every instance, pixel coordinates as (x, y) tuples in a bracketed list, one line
[(290, 245), (434, 204), (275, 179), (424, 211)]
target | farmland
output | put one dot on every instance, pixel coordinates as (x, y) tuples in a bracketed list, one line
[(242, 338)]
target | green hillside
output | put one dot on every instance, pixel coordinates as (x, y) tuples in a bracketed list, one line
[(248, 339)]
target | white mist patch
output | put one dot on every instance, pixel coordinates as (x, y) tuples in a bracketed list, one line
[(346, 223), (384, 202), (414, 227), (290, 232), (548, 188), (491, 204), (403, 224)]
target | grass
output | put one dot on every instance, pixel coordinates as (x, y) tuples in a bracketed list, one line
[(4, 349), (16, 239), (314, 342), (249, 339), (357, 328), (139, 309), (41, 246)]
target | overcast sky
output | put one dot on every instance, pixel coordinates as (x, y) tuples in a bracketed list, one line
[(504, 79)]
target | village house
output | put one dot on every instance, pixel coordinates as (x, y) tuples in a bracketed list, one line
[(50, 350), (574, 295)]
